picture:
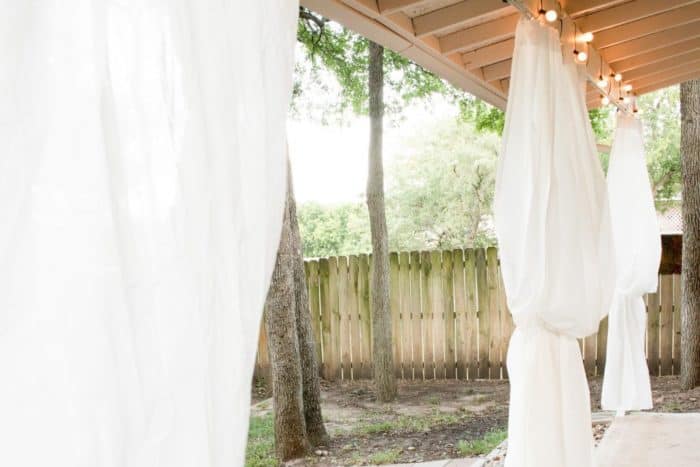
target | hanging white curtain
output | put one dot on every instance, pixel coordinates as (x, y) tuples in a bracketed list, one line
[(142, 183), (637, 255), (553, 229)]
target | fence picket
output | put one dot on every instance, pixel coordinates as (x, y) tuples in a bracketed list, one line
[(460, 301), (416, 318), (365, 317), (676, 324), (312, 282), (472, 313), (666, 324), (653, 332), (482, 288), (449, 317), (427, 306)]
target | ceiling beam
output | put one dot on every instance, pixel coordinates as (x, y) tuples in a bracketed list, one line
[(580, 7), (626, 13), (673, 75), (497, 71), (669, 82), (664, 66), (454, 15), (483, 34), (490, 54), (652, 42), (649, 25), (655, 56), (387, 7)]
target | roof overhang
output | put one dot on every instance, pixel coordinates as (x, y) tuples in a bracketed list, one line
[(652, 43)]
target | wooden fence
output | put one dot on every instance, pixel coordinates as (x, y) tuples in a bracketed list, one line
[(449, 318)]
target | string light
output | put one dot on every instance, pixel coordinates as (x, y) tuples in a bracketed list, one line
[(605, 100), (627, 87), (618, 77), (550, 15), (626, 100), (581, 56), (587, 37), (602, 81)]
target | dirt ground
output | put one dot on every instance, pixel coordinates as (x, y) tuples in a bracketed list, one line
[(436, 419)]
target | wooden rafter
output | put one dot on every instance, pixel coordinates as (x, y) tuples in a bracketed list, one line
[(580, 7), (673, 80), (676, 74), (657, 55), (387, 7), (646, 26), (490, 54), (483, 34), (454, 15), (626, 13), (652, 42), (664, 66), (497, 71)]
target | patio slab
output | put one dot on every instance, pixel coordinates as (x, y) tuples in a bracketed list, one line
[(651, 440)]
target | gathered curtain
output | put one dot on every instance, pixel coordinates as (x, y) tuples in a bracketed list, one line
[(637, 254), (553, 227), (142, 185)]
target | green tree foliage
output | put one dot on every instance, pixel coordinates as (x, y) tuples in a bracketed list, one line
[(328, 47), (660, 114), (333, 230), (440, 192), (441, 189)]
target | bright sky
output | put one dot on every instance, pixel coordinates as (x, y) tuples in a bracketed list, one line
[(329, 163)]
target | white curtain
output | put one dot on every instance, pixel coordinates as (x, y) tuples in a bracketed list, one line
[(142, 183), (553, 229), (637, 254)]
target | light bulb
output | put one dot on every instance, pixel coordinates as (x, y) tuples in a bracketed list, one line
[(605, 100), (602, 82), (551, 16), (627, 87), (618, 77), (581, 56), (586, 37), (626, 100)]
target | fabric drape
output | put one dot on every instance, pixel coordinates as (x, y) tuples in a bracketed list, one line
[(553, 228), (637, 254), (142, 183)]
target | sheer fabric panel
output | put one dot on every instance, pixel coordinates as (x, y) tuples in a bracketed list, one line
[(141, 194), (637, 254), (553, 227)]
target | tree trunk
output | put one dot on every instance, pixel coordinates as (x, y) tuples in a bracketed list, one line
[(690, 273), (315, 429), (283, 345), (383, 362)]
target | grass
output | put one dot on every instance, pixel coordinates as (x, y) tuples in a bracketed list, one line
[(384, 457), (408, 423), (261, 442), (481, 446)]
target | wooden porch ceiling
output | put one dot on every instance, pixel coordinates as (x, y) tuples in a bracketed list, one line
[(652, 43)]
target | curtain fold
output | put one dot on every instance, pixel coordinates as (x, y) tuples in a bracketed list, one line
[(142, 187), (637, 254), (553, 228)]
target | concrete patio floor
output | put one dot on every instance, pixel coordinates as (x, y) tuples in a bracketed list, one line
[(639, 439), (651, 440)]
